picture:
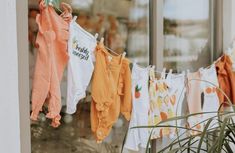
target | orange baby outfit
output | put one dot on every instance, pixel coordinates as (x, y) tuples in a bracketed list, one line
[(226, 78), (51, 60), (194, 92), (111, 91)]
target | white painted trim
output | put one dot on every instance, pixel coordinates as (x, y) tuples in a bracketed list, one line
[(14, 102), (23, 72), (9, 105)]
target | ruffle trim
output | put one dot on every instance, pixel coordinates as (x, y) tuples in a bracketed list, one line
[(55, 117), (102, 112), (35, 112)]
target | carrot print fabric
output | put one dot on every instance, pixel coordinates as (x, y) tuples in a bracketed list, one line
[(161, 105)]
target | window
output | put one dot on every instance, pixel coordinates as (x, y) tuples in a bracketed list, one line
[(186, 34), (185, 40)]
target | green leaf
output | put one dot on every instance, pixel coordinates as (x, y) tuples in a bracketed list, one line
[(177, 149), (148, 143), (203, 135), (189, 142), (222, 130), (228, 147), (174, 142)]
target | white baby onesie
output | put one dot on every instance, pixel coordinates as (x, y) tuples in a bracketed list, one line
[(176, 84), (211, 100), (176, 87), (81, 46), (138, 137)]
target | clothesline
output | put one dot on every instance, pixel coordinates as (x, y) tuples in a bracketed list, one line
[(231, 46)]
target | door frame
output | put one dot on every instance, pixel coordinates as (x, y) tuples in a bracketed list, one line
[(23, 68)]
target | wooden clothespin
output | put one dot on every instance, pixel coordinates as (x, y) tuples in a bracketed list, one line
[(188, 71), (54, 3), (163, 74), (152, 72), (102, 40), (96, 36), (123, 54), (74, 18), (170, 71)]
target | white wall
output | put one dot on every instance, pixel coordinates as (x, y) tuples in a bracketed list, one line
[(9, 105), (12, 84)]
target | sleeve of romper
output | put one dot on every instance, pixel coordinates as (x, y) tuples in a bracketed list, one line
[(125, 87)]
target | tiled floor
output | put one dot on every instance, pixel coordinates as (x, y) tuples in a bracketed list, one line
[(74, 135)]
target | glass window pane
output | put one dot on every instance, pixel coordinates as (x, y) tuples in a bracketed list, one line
[(186, 34), (124, 24)]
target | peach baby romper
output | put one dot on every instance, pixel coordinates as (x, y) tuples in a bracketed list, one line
[(51, 60)]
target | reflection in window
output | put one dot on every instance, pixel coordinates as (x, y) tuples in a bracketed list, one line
[(123, 24), (186, 34)]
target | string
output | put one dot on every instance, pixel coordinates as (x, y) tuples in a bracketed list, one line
[(102, 42), (111, 50), (160, 72), (129, 60), (232, 45), (156, 71), (215, 61)]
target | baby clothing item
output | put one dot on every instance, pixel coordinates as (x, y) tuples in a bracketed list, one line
[(51, 60), (160, 105), (111, 91), (81, 46), (140, 102), (194, 101), (210, 102), (176, 87), (226, 78)]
